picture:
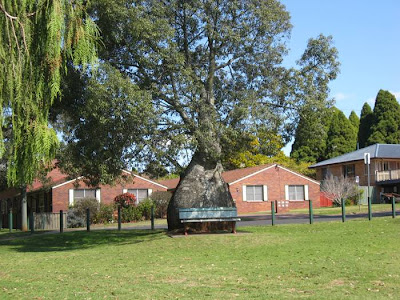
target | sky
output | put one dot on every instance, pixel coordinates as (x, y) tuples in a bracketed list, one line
[(367, 36)]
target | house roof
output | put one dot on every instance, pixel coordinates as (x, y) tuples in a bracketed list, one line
[(234, 176), (238, 174), (375, 151), (170, 183), (56, 179)]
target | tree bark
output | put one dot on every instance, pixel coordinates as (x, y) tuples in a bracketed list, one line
[(24, 209), (201, 185)]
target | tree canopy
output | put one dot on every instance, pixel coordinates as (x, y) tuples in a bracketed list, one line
[(36, 39), (355, 121), (105, 120), (311, 136), (385, 128), (342, 137), (214, 71), (364, 129)]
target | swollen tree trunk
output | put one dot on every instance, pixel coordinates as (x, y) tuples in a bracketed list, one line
[(201, 185)]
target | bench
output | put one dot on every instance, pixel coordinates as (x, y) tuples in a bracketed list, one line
[(209, 214)]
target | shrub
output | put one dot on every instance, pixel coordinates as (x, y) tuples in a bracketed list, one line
[(161, 200), (125, 200), (354, 200), (76, 216), (105, 214), (144, 208), (130, 214)]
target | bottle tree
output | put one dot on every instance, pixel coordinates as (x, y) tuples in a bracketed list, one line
[(214, 70)]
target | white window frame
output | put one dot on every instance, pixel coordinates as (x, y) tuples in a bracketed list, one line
[(72, 199), (264, 190), (136, 193), (305, 192)]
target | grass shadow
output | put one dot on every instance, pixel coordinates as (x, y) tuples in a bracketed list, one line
[(80, 240)]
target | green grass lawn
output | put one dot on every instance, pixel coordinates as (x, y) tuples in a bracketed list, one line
[(358, 259)]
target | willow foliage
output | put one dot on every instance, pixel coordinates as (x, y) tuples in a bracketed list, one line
[(37, 37)]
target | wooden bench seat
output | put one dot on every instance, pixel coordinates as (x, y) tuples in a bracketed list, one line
[(208, 214)]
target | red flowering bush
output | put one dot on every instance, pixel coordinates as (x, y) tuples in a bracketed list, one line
[(125, 200)]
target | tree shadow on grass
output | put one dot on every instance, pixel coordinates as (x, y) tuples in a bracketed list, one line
[(80, 240)]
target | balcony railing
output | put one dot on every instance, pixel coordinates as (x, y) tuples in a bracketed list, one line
[(387, 175)]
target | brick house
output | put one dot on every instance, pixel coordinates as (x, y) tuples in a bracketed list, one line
[(384, 169), (254, 188), (59, 191)]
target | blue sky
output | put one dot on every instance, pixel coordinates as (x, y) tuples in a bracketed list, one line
[(367, 36)]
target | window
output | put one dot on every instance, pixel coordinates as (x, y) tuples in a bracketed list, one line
[(296, 192), (349, 170), (140, 194), (254, 193), (326, 173), (84, 193)]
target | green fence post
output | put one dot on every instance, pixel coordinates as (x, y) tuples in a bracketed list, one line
[(152, 217), (87, 219), (61, 221), (32, 223), (10, 220), (311, 213), (393, 207), (343, 210), (119, 217), (273, 213), (369, 208)]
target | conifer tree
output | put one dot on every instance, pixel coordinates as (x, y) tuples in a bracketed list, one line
[(341, 135), (310, 137), (364, 129), (385, 128), (355, 121)]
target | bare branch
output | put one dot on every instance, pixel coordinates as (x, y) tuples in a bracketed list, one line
[(338, 188)]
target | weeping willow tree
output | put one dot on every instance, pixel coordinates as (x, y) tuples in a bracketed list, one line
[(37, 38)]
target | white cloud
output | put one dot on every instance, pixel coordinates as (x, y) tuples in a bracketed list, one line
[(341, 96), (396, 94)]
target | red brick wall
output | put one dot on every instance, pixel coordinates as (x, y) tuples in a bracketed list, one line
[(275, 179), (107, 192)]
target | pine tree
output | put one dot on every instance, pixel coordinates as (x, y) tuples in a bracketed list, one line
[(341, 135), (311, 135), (355, 121), (385, 128), (364, 129)]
